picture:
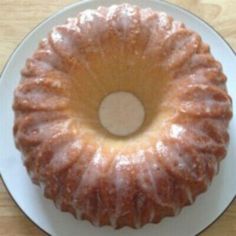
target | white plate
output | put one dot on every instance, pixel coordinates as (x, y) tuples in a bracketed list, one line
[(29, 198)]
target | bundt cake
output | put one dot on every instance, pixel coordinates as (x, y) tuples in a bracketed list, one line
[(127, 178)]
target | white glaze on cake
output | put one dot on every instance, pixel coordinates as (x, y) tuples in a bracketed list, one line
[(102, 178)]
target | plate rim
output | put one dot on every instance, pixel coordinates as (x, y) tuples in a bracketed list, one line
[(82, 2)]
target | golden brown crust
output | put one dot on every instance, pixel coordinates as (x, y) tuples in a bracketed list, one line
[(143, 178)]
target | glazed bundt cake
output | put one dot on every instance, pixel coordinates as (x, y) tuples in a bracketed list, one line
[(104, 174)]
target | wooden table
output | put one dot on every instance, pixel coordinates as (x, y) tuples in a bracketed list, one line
[(19, 17)]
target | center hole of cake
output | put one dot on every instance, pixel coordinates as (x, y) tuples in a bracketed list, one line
[(121, 113)]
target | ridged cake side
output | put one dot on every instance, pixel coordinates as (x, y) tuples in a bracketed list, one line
[(144, 178)]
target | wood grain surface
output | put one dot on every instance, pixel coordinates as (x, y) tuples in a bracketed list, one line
[(18, 17)]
